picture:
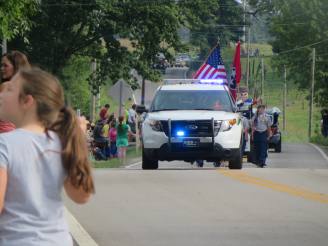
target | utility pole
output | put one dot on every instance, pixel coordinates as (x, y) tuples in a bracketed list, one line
[(120, 98), (248, 49), (143, 89), (312, 94), (93, 97), (244, 28), (4, 46), (284, 99), (262, 81)]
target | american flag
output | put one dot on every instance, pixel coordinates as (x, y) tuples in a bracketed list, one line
[(213, 68)]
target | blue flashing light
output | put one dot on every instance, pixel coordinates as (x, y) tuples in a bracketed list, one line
[(180, 133)]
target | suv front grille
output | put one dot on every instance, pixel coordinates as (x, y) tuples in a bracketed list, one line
[(192, 128)]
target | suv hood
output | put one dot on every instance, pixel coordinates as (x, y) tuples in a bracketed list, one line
[(191, 115)]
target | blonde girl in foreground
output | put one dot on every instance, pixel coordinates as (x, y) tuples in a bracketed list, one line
[(47, 151)]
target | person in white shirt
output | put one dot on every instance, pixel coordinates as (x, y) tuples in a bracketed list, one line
[(46, 153)]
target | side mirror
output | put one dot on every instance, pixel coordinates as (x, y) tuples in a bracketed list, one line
[(140, 109)]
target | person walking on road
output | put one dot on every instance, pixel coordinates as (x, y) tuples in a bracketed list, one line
[(245, 123), (261, 132), (44, 154), (11, 62)]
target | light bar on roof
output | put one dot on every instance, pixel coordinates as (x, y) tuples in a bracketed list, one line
[(212, 81), (194, 81)]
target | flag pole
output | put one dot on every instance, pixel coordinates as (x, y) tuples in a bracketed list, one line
[(218, 43), (238, 91)]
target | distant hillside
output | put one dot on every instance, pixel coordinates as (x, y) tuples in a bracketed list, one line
[(259, 30)]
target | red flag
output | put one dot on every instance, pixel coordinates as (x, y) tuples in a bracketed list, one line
[(235, 73), (236, 63)]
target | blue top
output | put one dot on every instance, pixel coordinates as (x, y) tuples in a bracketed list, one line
[(33, 211)]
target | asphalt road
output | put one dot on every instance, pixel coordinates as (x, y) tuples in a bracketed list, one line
[(292, 156), (284, 204)]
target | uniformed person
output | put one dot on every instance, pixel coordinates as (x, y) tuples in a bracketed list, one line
[(261, 132), (245, 123)]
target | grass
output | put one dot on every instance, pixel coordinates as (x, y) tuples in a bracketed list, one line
[(319, 139), (132, 156)]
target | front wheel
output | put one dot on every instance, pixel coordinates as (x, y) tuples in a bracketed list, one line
[(237, 161), (148, 163), (277, 148)]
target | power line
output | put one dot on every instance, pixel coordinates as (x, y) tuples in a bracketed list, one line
[(158, 2), (302, 47)]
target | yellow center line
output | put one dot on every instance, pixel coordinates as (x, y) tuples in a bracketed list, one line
[(245, 178)]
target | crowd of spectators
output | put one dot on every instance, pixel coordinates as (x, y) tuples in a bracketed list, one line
[(110, 135)]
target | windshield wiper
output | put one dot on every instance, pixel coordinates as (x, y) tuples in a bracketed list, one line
[(165, 109), (208, 109)]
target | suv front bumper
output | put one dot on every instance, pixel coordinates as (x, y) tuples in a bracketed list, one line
[(205, 151)]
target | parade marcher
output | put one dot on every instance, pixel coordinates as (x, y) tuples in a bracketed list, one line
[(261, 132), (46, 153), (246, 127), (11, 62)]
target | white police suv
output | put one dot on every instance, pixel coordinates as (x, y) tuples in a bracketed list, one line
[(192, 120)]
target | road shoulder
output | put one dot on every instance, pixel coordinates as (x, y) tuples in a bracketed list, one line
[(323, 150)]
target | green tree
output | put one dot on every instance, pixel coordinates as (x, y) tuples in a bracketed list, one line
[(298, 26), (13, 17), (94, 29), (64, 29), (221, 21), (75, 84)]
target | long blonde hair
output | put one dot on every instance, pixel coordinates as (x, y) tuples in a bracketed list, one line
[(54, 115)]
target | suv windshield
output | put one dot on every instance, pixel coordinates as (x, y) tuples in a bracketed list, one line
[(218, 100)]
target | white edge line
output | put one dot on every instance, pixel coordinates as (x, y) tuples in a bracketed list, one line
[(80, 235), (320, 151), (134, 164)]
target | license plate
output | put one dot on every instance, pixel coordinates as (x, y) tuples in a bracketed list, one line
[(191, 143)]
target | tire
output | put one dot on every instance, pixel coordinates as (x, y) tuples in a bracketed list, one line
[(148, 163), (249, 157), (277, 148), (236, 162), (200, 163)]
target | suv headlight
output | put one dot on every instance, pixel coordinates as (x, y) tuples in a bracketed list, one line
[(155, 125), (226, 125)]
